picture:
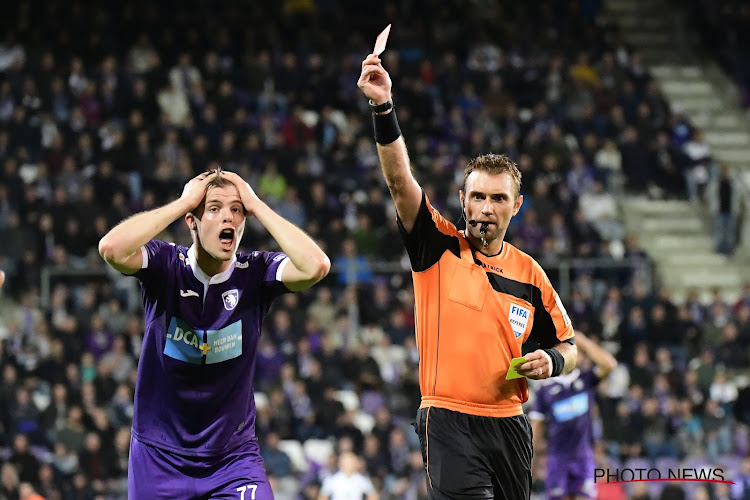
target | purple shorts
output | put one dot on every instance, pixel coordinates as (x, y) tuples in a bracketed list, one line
[(154, 474), (568, 476)]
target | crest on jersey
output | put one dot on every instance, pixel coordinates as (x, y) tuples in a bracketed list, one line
[(230, 297), (519, 318)]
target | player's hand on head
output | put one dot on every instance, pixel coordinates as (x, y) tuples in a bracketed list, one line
[(374, 81), (195, 189), (538, 365), (247, 193)]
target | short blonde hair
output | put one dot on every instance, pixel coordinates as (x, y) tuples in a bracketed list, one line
[(494, 164)]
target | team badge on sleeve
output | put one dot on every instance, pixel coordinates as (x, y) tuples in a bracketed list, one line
[(231, 298)]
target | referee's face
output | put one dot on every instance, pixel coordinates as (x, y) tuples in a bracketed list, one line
[(490, 198)]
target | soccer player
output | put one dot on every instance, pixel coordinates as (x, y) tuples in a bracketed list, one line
[(565, 404), (478, 300), (194, 421)]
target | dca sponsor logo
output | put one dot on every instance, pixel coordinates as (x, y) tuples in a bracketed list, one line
[(185, 343)]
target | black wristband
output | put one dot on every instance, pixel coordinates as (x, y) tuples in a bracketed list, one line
[(386, 127), (558, 362), (379, 108)]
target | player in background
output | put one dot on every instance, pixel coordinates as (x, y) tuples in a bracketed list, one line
[(194, 421), (565, 404)]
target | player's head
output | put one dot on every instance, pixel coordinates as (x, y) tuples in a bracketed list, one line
[(218, 223), (491, 193), (348, 463)]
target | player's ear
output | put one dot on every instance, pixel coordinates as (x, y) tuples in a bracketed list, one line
[(191, 222), (519, 202)]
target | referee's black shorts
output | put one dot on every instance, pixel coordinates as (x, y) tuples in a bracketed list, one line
[(467, 456)]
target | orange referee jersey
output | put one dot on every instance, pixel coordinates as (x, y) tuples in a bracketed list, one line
[(473, 314)]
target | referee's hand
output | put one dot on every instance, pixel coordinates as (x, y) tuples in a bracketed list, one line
[(538, 365), (374, 81)]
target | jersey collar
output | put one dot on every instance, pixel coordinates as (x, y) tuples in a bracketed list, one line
[(203, 277), (569, 378)]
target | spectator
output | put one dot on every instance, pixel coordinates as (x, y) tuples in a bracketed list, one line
[(348, 482), (26, 464), (277, 462), (9, 482), (600, 209), (46, 485), (353, 266), (72, 436), (26, 492), (174, 105), (698, 157), (724, 203)]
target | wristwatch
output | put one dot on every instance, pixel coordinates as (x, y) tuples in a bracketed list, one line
[(379, 108)]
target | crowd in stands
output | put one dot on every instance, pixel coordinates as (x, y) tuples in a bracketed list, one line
[(108, 110)]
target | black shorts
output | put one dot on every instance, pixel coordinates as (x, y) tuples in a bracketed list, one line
[(467, 456)]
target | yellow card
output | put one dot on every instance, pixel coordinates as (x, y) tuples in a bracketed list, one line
[(512, 373)]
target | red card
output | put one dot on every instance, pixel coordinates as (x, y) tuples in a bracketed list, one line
[(381, 41)]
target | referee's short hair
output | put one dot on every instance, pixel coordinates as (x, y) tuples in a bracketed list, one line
[(494, 164)]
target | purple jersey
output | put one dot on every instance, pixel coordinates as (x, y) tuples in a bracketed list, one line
[(565, 404), (194, 393)]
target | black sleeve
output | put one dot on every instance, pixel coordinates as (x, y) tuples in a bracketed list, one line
[(543, 331), (427, 243)]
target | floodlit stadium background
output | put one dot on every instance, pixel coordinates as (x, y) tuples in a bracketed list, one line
[(619, 113)]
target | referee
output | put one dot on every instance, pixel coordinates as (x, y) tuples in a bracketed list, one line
[(478, 300)]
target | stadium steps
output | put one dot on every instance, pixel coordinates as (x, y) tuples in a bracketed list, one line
[(678, 240), (676, 234)]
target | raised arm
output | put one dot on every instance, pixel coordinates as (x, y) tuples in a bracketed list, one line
[(121, 246), (603, 360), (376, 84), (309, 264)]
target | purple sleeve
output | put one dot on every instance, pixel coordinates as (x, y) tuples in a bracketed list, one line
[(157, 258), (272, 264), (539, 407), (590, 378)]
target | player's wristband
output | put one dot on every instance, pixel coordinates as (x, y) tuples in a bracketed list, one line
[(558, 362), (386, 127)]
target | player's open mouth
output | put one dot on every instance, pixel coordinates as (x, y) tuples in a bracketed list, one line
[(226, 237)]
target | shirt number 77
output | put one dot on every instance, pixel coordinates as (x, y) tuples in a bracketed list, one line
[(251, 487)]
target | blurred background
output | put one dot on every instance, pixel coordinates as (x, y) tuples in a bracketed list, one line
[(627, 118)]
